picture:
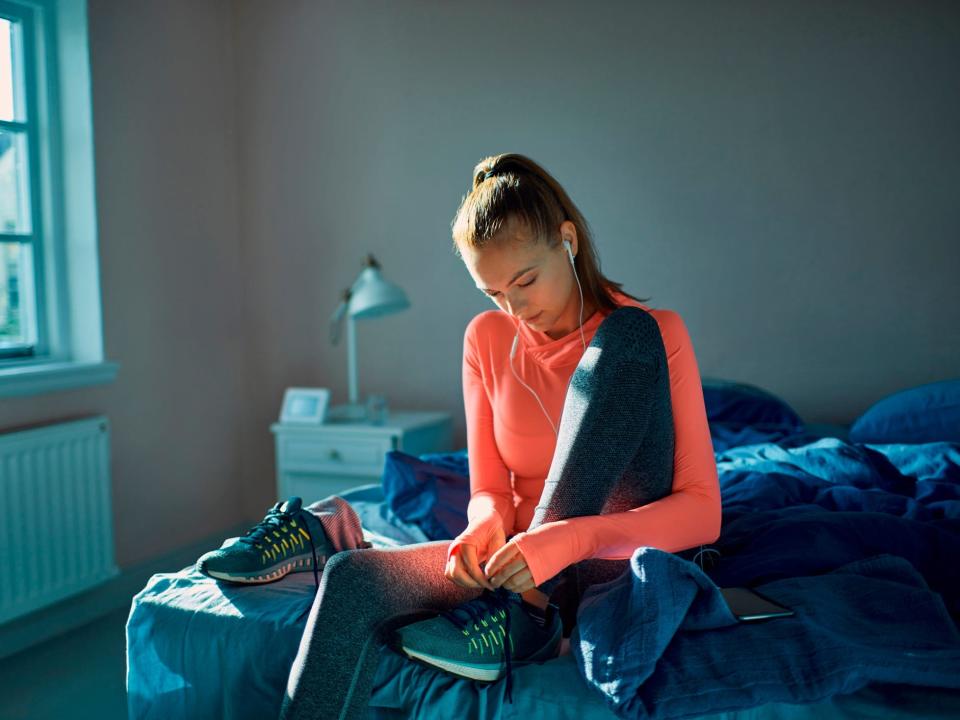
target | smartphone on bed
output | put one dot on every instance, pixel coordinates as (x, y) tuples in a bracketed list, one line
[(749, 605)]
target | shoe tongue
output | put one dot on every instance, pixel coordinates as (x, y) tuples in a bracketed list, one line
[(291, 506)]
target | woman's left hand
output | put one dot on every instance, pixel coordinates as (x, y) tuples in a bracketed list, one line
[(508, 568)]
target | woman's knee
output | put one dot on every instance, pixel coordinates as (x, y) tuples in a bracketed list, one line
[(632, 326), (373, 567), (356, 568), (628, 336)]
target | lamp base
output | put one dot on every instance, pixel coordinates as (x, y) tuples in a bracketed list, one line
[(347, 413)]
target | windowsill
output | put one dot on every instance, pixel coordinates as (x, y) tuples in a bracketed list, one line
[(47, 377)]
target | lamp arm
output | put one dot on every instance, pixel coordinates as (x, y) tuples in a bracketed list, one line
[(336, 319), (352, 360)]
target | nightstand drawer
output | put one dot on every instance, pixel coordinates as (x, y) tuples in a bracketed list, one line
[(335, 455)]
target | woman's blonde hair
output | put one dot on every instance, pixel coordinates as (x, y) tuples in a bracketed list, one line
[(513, 187)]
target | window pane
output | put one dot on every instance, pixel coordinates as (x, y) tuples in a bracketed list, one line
[(11, 75), (14, 198), (17, 312)]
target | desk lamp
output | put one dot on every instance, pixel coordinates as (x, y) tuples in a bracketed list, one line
[(370, 296)]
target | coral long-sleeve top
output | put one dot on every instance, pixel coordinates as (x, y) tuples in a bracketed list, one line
[(510, 446)]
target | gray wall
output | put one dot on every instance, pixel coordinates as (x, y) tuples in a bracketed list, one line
[(784, 175), (166, 164)]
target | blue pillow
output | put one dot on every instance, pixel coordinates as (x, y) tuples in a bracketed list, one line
[(923, 414), (741, 405)]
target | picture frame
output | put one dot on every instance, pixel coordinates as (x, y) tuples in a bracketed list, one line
[(305, 406)]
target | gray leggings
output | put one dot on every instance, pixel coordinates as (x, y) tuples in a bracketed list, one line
[(614, 452)]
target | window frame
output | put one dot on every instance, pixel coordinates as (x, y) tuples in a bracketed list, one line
[(69, 346), (33, 73)]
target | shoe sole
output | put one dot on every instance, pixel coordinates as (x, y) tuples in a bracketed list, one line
[(270, 574), (489, 673)]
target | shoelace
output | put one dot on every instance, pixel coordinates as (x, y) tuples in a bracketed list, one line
[(488, 603), (277, 517)]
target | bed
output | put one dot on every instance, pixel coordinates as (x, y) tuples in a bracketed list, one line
[(860, 538)]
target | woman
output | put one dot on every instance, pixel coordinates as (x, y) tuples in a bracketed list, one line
[(587, 437)]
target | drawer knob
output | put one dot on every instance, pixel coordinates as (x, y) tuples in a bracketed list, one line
[(335, 454)]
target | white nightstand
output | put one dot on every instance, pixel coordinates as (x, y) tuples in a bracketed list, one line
[(314, 461)]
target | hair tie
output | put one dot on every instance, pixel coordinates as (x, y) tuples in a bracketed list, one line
[(489, 174)]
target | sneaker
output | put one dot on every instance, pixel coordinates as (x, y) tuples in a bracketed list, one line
[(484, 638), (289, 539)]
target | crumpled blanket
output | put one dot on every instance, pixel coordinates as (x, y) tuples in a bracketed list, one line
[(660, 642)]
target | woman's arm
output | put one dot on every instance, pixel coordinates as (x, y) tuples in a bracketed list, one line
[(688, 517), (682, 520), (491, 493)]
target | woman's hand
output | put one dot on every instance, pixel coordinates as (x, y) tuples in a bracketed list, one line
[(508, 568), (479, 541), (464, 568)]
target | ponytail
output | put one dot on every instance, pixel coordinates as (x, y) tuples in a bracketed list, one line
[(513, 187)]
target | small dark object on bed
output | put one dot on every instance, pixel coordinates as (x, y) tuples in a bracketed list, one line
[(749, 605)]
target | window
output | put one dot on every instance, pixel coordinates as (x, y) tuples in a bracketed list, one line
[(19, 244), (50, 315)]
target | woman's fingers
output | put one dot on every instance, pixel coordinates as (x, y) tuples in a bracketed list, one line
[(509, 570), (486, 536), (506, 573), (456, 572), (472, 566), (467, 572), (450, 570), (500, 558), (460, 577), (520, 582)]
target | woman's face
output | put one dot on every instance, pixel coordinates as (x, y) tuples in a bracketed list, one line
[(529, 280)]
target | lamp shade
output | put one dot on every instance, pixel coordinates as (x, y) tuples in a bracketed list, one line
[(373, 296)]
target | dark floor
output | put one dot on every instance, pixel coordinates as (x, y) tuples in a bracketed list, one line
[(81, 674)]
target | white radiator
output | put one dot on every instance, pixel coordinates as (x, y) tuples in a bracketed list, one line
[(56, 526)]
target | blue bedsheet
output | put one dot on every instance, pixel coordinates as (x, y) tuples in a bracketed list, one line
[(798, 518), (199, 649)]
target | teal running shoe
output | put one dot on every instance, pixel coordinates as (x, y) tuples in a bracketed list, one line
[(484, 638), (289, 539)]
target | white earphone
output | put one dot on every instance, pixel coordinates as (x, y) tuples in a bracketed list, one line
[(516, 339)]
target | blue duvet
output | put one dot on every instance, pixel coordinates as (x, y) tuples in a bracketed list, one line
[(860, 541)]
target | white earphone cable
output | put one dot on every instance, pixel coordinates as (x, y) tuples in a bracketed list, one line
[(580, 289), (516, 340), (555, 431)]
